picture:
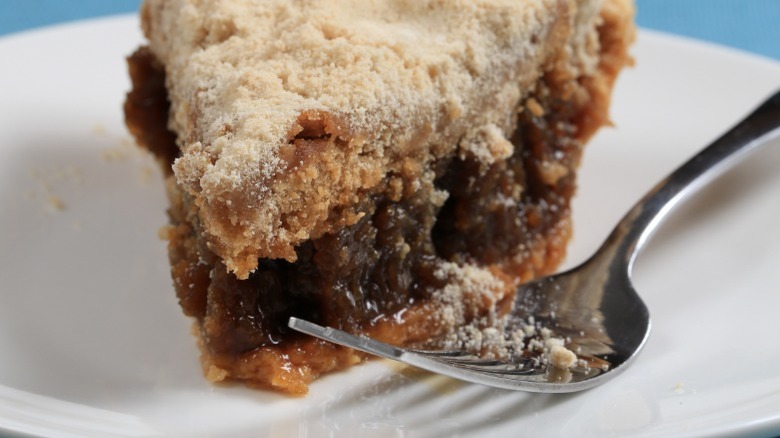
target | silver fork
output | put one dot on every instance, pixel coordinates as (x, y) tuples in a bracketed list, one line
[(594, 306)]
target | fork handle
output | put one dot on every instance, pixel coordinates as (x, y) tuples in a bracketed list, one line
[(633, 231)]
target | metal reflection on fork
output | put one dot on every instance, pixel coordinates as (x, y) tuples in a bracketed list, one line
[(594, 306)]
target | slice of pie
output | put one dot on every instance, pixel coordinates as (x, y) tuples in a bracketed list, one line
[(387, 167)]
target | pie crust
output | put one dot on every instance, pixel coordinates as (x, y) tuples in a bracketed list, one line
[(388, 167)]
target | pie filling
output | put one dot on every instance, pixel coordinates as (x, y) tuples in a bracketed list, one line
[(384, 274)]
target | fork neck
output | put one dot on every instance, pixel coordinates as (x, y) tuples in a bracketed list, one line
[(636, 227)]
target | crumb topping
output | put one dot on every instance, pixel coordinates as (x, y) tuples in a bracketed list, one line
[(286, 110)]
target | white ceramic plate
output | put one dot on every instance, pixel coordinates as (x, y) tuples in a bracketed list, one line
[(92, 342)]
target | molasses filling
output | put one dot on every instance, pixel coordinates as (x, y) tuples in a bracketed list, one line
[(437, 236)]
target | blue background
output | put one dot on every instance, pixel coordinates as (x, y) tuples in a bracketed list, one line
[(751, 25)]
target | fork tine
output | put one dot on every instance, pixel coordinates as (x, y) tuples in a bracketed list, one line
[(439, 353), (345, 339), (501, 370), (474, 361), (456, 356), (459, 359), (468, 361)]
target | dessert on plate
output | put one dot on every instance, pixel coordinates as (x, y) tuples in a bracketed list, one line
[(388, 167)]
